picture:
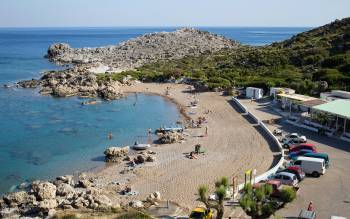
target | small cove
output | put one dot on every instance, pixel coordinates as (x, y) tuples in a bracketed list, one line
[(42, 137)]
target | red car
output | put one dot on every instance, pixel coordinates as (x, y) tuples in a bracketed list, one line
[(306, 146)]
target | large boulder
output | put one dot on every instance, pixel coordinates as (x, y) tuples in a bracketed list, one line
[(68, 179), (58, 49), (102, 200), (44, 190), (115, 154), (18, 198), (80, 203), (64, 91), (33, 83), (85, 183), (65, 190), (136, 204), (170, 137), (110, 90), (9, 213), (47, 205)]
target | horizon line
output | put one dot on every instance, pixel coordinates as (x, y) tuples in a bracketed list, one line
[(149, 26)]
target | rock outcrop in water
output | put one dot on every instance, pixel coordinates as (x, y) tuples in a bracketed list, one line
[(142, 50), (116, 154), (76, 81)]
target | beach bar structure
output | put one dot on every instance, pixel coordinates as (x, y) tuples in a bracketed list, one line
[(340, 110), (297, 100)]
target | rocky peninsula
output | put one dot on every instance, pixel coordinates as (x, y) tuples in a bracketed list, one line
[(79, 78), (144, 49)]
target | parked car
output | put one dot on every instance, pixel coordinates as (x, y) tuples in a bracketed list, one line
[(312, 166), (295, 136), (295, 170), (323, 156), (288, 143), (306, 146), (286, 178), (277, 132), (295, 154), (201, 213)]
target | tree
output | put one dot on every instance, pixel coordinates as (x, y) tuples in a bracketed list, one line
[(257, 202), (221, 187), (288, 194)]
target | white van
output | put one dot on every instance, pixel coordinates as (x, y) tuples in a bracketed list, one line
[(311, 165)]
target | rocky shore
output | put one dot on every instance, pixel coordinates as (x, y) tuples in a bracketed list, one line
[(44, 199), (75, 81), (79, 79)]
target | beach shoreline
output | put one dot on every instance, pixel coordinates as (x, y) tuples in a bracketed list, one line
[(174, 175)]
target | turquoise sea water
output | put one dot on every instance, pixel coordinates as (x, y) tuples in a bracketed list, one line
[(42, 137)]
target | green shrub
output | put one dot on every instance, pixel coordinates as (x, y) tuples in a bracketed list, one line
[(247, 202), (223, 181), (335, 61), (248, 188), (268, 189), (267, 209), (260, 193), (288, 194)]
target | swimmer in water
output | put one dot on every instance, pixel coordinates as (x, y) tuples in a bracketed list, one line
[(110, 136)]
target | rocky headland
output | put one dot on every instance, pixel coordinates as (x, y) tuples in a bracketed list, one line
[(144, 49), (79, 78)]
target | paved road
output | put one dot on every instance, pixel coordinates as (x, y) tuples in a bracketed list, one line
[(331, 192)]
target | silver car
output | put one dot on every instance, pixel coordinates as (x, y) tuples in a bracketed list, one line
[(286, 178)]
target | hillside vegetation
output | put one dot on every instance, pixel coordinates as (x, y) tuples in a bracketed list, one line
[(309, 62)]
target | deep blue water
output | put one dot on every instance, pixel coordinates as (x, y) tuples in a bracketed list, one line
[(41, 136)]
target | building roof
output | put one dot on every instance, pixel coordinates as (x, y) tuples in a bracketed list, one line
[(297, 97), (312, 103), (338, 107)]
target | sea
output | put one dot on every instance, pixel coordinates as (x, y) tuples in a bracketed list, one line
[(42, 137)]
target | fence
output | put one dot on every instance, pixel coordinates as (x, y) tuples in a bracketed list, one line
[(274, 139)]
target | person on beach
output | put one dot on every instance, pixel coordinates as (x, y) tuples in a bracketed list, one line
[(206, 131), (192, 156), (197, 148), (311, 206), (110, 136), (149, 136)]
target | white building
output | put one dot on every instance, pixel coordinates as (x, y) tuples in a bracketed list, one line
[(280, 90), (335, 95), (254, 92)]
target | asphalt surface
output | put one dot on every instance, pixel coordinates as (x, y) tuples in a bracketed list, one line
[(329, 193)]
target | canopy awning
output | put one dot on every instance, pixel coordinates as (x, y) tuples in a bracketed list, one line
[(297, 97), (340, 108)]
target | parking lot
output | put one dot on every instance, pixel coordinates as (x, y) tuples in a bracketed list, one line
[(330, 193)]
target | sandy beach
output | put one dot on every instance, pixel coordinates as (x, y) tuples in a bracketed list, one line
[(232, 146)]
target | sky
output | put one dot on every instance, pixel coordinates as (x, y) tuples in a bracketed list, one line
[(110, 13)]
